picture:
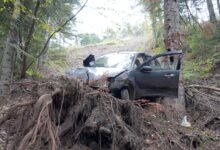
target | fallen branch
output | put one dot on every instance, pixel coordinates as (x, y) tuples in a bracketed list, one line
[(204, 87)]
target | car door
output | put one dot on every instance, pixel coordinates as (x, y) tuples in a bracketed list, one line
[(159, 76)]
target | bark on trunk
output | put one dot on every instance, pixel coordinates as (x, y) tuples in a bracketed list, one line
[(172, 42), (171, 25), (9, 53), (218, 3), (212, 16), (28, 40)]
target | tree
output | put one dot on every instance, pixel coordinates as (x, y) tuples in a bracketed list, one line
[(212, 16), (10, 51), (110, 34), (89, 39), (171, 25), (218, 3), (32, 26), (28, 39), (172, 41), (154, 8)]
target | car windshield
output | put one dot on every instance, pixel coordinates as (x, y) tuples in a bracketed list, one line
[(116, 60)]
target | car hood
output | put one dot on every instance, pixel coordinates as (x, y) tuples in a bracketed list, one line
[(93, 73)]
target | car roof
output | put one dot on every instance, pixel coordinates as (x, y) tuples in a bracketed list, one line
[(124, 52), (130, 52)]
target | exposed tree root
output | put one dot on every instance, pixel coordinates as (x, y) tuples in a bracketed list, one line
[(67, 115), (204, 87)]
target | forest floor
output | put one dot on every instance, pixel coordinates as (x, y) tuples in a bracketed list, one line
[(61, 113), (64, 114)]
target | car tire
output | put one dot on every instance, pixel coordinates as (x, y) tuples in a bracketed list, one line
[(125, 94)]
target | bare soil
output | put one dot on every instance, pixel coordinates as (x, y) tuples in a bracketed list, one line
[(76, 55), (65, 114)]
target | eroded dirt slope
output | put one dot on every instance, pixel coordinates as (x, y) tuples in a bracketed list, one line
[(77, 55), (61, 114)]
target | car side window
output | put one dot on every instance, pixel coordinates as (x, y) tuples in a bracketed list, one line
[(165, 63), (139, 61)]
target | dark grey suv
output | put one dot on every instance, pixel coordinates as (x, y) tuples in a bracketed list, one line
[(133, 75)]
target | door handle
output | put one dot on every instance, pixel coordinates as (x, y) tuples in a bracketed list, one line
[(169, 75)]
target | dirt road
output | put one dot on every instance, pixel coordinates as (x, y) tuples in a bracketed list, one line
[(130, 44)]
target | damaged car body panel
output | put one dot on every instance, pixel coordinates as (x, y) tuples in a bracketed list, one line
[(133, 75), (159, 76)]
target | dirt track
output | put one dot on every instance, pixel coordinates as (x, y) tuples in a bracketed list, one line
[(132, 44)]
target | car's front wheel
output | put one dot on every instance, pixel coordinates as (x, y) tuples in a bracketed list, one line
[(125, 94)]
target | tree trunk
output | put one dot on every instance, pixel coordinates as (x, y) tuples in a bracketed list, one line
[(9, 53), (218, 3), (171, 25), (172, 42), (44, 56), (28, 40), (212, 16)]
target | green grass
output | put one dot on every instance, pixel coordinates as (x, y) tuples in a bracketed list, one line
[(58, 60), (197, 69), (200, 63)]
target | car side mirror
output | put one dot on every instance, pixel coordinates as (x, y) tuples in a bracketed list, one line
[(146, 69), (89, 61)]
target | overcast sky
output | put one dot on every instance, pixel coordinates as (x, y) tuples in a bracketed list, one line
[(98, 15)]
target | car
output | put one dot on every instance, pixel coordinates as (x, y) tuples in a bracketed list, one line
[(133, 75)]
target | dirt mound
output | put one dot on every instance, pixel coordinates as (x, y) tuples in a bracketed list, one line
[(64, 114)]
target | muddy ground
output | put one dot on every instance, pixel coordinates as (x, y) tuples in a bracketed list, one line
[(65, 114)]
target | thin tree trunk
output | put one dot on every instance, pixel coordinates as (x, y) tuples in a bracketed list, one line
[(212, 16), (193, 17), (44, 56), (171, 25), (9, 53), (154, 30), (28, 40), (56, 31), (218, 3)]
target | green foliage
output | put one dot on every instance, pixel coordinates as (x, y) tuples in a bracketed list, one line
[(200, 63), (33, 72), (50, 15), (89, 39), (110, 34), (58, 60), (130, 30), (160, 47), (155, 10), (197, 69)]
